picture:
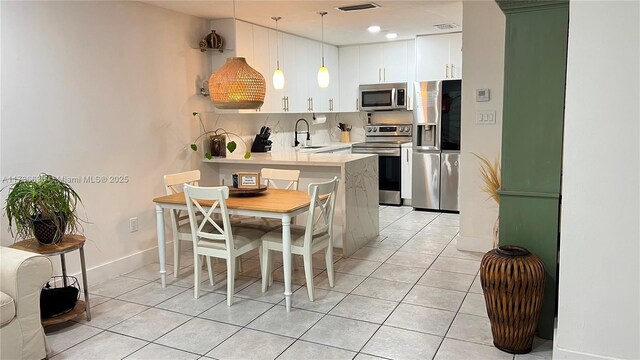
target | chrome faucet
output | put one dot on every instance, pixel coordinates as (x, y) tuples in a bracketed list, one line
[(295, 141)]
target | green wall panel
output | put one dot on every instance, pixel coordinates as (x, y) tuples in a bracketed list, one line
[(533, 117)]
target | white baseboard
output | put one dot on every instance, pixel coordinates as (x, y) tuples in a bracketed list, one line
[(564, 354), (472, 243)]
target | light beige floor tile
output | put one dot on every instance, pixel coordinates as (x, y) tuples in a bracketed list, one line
[(452, 349), (386, 243), (356, 266), (274, 294), (476, 287), (364, 308), (116, 345), (149, 272), (185, 303), (446, 280), (396, 234), (393, 343), (116, 287), (198, 335), (241, 313), (399, 273), (323, 300), (413, 259), (150, 324), (159, 352), (220, 287), (151, 294), (251, 344), (65, 335), (342, 333), (292, 323), (471, 328), (422, 319), (372, 254), (422, 245), (363, 356), (297, 275), (474, 304), (452, 251), (435, 297), (463, 266), (342, 282), (110, 313), (306, 350), (383, 289)]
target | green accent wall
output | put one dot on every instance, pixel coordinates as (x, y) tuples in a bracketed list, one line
[(533, 117)]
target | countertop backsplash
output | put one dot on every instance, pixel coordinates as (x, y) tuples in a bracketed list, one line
[(282, 127)]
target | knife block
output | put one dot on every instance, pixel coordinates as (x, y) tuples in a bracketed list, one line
[(260, 145)]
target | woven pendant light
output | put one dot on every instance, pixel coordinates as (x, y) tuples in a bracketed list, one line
[(236, 85)]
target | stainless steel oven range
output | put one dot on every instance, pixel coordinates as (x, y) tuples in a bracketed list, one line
[(385, 141)]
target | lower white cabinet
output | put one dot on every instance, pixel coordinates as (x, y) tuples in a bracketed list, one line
[(406, 173)]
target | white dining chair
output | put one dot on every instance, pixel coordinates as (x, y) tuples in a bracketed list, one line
[(222, 241), (306, 240), (174, 183)]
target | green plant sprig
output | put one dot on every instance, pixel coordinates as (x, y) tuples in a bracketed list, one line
[(231, 145), (46, 197)]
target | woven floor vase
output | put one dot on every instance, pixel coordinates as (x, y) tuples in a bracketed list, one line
[(513, 282), (236, 85)]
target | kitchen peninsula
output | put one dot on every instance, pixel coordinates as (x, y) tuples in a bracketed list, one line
[(356, 213)]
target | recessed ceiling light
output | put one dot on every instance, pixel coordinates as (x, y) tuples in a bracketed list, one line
[(374, 28), (391, 35)]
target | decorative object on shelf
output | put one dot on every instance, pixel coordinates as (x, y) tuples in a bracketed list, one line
[(248, 180), (278, 75), (513, 283), (490, 173), (204, 89), (59, 296), (212, 41), (323, 72), (44, 208), (236, 85), (218, 141)]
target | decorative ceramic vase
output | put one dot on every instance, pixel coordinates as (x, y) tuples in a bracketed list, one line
[(236, 85), (513, 285), (219, 146), (46, 231), (214, 41)]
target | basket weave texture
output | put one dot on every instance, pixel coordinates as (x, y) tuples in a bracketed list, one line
[(513, 284), (236, 85)]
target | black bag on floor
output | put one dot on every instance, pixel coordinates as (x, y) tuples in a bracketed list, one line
[(57, 299)]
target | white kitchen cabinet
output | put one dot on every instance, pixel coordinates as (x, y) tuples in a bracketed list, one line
[(411, 72), (262, 62), (383, 63), (439, 57), (405, 171), (349, 78), (330, 97)]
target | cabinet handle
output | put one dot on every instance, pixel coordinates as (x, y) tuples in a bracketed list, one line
[(311, 104), (379, 75), (287, 103), (384, 74), (407, 156), (452, 74), (357, 104), (330, 104), (284, 107), (446, 71)]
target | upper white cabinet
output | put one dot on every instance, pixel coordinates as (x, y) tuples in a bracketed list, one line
[(439, 57), (383, 63), (349, 78)]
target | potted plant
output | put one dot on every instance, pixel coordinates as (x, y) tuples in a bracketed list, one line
[(44, 208), (218, 141), (512, 281)]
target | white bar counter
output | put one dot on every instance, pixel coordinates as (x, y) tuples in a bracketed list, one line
[(356, 215)]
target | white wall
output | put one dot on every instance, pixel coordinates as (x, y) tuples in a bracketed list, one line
[(101, 88), (483, 68), (599, 279)]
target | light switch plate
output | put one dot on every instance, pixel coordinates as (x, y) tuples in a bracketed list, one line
[(486, 117), (482, 95)]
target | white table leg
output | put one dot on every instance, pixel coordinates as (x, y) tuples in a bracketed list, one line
[(286, 259), (161, 244)]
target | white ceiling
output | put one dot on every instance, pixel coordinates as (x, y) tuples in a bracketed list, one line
[(406, 18)]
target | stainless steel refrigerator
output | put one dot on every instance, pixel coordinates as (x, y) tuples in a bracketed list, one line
[(436, 145)]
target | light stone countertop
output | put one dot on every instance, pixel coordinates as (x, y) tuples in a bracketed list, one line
[(291, 158)]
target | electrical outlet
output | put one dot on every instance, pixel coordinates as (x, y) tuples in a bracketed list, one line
[(133, 224)]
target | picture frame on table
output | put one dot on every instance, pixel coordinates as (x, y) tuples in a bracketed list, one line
[(248, 180)]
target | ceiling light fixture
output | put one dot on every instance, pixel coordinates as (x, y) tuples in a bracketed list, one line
[(236, 85), (391, 36), (323, 72), (278, 76), (374, 29)]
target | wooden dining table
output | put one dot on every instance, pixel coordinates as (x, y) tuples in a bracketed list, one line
[(273, 203)]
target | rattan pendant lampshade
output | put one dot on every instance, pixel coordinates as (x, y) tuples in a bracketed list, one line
[(236, 85)]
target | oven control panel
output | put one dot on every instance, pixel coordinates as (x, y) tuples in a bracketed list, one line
[(389, 130)]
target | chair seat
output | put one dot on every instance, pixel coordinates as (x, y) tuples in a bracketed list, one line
[(241, 236), (297, 236), (186, 228), (263, 224), (7, 308)]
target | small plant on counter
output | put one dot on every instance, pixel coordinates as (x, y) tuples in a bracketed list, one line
[(219, 132)]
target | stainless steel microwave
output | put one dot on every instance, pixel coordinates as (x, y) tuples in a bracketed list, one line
[(391, 96)]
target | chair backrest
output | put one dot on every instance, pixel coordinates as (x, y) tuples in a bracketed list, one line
[(174, 183), (323, 203), (292, 176), (194, 196)]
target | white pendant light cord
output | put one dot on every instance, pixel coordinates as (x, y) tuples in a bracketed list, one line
[(277, 18), (322, 14)]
